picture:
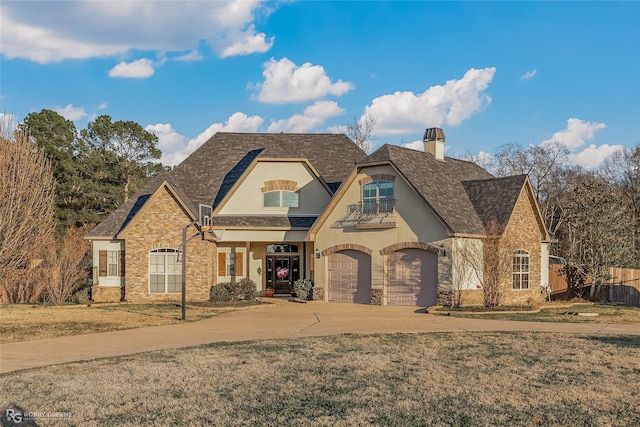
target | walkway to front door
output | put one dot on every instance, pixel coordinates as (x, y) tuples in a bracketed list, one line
[(281, 272)]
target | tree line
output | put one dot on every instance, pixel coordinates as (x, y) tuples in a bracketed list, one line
[(57, 181)]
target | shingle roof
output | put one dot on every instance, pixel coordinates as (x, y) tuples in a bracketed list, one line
[(441, 183), (494, 199), (211, 171), (265, 221)]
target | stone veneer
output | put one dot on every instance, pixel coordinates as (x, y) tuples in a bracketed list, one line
[(105, 293), (318, 294), (525, 232), (159, 225)]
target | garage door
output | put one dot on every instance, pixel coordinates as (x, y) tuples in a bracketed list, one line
[(412, 278), (350, 277)]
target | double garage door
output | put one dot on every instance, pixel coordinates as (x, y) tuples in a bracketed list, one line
[(412, 277)]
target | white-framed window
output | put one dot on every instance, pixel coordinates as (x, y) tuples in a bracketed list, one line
[(520, 271), (281, 199), (205, 214), (165, 271), (377, 197), (110, 263)]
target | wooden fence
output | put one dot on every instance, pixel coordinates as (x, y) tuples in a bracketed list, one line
[(624, 286)]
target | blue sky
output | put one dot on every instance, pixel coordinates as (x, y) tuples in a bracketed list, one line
[(488, 73)]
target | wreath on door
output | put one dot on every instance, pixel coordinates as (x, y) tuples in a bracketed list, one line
[(282, 272)]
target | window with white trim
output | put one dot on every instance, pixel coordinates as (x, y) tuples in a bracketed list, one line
[(165, 271), (281, 199), (520, 271), (205, 214), (377, 197), (112, 263)]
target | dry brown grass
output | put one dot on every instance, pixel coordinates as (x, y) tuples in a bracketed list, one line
[(559, 312), (26, 322), (464, 379)]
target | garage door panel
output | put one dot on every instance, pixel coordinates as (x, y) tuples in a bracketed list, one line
[(412, 278), (350, 277)]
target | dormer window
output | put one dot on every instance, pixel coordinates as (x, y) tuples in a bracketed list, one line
[(281, 199)]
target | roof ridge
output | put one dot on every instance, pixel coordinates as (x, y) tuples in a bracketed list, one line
[(497, 178)]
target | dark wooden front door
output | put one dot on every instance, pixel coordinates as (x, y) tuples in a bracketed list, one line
[(281, 272)]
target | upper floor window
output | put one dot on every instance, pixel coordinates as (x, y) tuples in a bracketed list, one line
[(377, 197), (111, 263), (281, 199), (165, 271), (520, 270)]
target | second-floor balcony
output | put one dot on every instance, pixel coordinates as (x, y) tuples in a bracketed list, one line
[(369, 214)]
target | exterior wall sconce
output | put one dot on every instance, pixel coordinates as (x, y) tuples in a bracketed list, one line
[(317, 253), (442, 251)]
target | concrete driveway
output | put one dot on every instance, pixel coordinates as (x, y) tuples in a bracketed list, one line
[(279, 319)]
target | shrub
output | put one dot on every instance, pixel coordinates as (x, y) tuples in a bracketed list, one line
[(243, 290), (303, 288), (219, 293)]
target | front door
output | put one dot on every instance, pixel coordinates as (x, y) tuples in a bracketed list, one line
[(281, 272)]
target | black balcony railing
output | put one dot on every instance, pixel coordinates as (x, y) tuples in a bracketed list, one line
[(375, 207)]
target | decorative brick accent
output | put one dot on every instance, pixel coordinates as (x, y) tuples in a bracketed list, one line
[(318, 294), (280, 184), (105, 293), (346, 247), (377, 177), (409, 245), (376, 296), (445, 297)]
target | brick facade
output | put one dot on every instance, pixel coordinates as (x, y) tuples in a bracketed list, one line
[(159, 225), (524, 230)]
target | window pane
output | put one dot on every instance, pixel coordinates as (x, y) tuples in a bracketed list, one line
[(112, 270), (290, 199), (385, 188), (369, 190), (174, 283), (272, 199), (156, 283)]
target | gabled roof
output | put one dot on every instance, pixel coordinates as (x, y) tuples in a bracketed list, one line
[(211, 171), (495, 199), (439, 183)]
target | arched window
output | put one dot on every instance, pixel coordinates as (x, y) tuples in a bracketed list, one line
[(377, 197), (520, 271), (165, 272)]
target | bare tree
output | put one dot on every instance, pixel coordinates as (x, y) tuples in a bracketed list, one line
[(487, 261), (360, 130), (65, 266), (466, 268), (27, 202)]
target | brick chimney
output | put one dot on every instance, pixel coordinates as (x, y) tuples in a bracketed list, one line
[(434, 142)]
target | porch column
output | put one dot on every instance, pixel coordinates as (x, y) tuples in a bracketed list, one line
[(247, 262)]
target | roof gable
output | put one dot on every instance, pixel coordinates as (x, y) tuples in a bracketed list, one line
[(209, 173), (494, 199)]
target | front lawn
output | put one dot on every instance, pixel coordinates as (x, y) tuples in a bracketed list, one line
[(564, 313), (26, 322), (437, 379)]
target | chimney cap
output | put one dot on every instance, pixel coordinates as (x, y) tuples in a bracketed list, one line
[(433, 134)]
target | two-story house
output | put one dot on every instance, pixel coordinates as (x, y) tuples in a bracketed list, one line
[(379, 229)]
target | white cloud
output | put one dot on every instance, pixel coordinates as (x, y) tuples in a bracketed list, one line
[(284, 82), (87, 29), (452, 103), (247, 43), (415, 145), (529, 74), (191, 56), (70, 112), (592, 157), (175, 149), (103, 106), (139, 69), (312, 117), (576, 133)]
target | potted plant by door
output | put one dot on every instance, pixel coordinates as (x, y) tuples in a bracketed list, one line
[(268, 292)]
